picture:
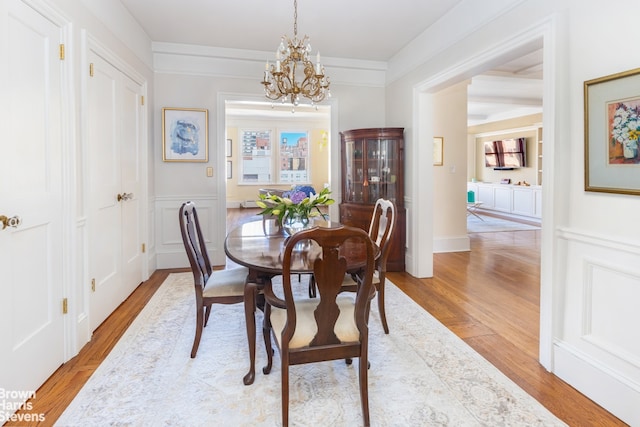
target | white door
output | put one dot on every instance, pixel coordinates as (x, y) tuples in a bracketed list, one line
[(130, 162), (114, 146), (31, 183)]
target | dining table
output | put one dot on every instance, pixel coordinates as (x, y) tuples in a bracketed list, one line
[(259, 246)]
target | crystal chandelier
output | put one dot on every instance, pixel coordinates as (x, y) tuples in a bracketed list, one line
[(294, 75)]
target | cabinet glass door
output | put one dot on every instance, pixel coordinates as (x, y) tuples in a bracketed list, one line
[(382, 169), (355, 179)]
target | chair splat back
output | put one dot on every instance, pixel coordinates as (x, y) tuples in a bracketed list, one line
[(194, 243), (329, 270), (381, 227)]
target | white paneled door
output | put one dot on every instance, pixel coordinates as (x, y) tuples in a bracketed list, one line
[(31, 192), (114, 132)]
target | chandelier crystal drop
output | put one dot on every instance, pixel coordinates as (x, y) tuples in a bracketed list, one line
[(294, 75)]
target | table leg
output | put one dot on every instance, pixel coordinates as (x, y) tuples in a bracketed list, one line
[(471, 210), (250, 292)]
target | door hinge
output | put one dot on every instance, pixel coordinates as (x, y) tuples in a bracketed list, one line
[(62, 51), (91, 70), (144, 248), (65, 306), (142, 100), (93, 285)]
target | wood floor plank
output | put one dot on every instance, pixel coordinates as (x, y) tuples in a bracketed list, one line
[(489, 297)]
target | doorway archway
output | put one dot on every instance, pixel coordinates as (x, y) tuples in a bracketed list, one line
[(421, 222)]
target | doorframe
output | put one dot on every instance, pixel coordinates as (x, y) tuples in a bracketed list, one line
[(423, 92), (334, 155)]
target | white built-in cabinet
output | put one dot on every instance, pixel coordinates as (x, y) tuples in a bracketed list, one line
[(515, 200)]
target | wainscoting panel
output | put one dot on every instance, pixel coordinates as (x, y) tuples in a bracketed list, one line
[(169, 248), (605, 329), (597, 348)]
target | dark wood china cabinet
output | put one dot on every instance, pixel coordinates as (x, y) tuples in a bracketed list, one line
[(373, 168)]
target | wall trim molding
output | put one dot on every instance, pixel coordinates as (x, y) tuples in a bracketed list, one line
[(451, 244), (601, 240), (170, 58), (507, 131)]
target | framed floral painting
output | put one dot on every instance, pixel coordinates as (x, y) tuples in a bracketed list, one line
[(612, 131)]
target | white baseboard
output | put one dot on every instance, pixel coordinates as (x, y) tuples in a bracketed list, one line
[(598, 382), (249, 204), (510, 216), (451, 244)]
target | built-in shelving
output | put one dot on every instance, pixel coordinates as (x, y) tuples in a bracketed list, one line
[(539, 158)]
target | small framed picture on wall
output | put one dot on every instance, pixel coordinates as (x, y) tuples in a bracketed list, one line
[(185, 135)]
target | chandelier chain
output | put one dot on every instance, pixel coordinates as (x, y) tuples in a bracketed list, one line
[(295, 18)]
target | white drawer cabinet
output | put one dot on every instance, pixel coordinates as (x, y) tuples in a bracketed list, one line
[(485, 194), (523, 201), (511, 199), (502, 198)]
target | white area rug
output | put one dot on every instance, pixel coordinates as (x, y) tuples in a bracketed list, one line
[(489, 224), (421, 375)]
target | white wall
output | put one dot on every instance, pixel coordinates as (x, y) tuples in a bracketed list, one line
[(450, 204), (590, 277)]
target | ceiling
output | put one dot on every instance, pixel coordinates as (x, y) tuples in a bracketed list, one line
[(355, 29)]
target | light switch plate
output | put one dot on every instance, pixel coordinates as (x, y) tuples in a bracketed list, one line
[(209, 171)]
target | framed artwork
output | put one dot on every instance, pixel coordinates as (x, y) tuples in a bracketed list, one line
[(294, 157), (255, 156), (438, 151), (229, 169), (611, 133), (185, 135), (229, 147)]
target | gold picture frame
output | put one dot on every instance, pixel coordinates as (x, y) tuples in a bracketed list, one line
[(438, 151), (185, 135), (611, 133)]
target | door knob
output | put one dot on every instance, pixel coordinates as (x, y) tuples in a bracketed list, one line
[(125, 197), (14, 221)]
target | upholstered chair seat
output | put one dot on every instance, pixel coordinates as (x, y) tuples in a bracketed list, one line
[(345, 328), (225, 283)]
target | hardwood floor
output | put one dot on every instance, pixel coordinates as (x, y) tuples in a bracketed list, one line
[(489, 297)]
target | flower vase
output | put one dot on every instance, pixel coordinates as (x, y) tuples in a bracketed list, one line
[(294, 223), (630, 151)]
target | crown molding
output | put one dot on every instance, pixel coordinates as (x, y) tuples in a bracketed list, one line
[(177, 58)]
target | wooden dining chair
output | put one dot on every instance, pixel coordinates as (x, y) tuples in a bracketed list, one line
[(211, 286), (329, 327), (381, 227)]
